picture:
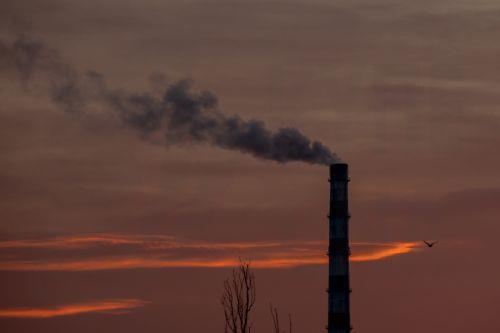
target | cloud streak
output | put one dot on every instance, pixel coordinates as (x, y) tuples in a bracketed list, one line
[(113, 252), (385, 251), (115, 307)]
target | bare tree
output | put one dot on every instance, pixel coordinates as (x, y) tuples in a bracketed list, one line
[(238, 299), (276, 320)]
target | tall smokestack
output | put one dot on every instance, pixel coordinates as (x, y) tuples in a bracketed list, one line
[(339, 320)]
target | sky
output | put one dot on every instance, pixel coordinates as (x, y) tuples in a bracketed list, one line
[(106, 227)]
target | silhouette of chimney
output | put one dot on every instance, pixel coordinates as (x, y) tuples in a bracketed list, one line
[(339, 320)]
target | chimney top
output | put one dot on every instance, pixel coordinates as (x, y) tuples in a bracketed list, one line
[(338, 171)]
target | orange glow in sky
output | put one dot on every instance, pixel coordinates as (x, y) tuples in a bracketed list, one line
[(110, 307), (165, 252), (388, 250)]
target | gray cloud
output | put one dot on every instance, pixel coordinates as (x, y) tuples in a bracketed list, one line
[(185, 115)]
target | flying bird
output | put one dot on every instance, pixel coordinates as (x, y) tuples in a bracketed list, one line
[(429, 244)]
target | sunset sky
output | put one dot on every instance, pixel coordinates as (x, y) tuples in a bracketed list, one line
[(107, 228)]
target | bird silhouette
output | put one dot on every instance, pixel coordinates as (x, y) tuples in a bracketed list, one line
[(430, 244)]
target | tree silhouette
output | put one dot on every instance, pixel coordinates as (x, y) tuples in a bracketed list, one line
[(276, 320), (238, 299)]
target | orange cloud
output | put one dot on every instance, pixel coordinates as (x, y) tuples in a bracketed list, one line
[(386, 250), (82, 241), (158, 253), (110, 307), (145, 241)]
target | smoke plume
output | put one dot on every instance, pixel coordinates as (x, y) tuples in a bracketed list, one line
[(182, 114)]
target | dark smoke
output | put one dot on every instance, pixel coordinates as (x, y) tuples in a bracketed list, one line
[(30, 58), (185, 116)]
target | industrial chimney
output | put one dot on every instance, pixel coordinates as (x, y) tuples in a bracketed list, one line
[(338, 251)]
